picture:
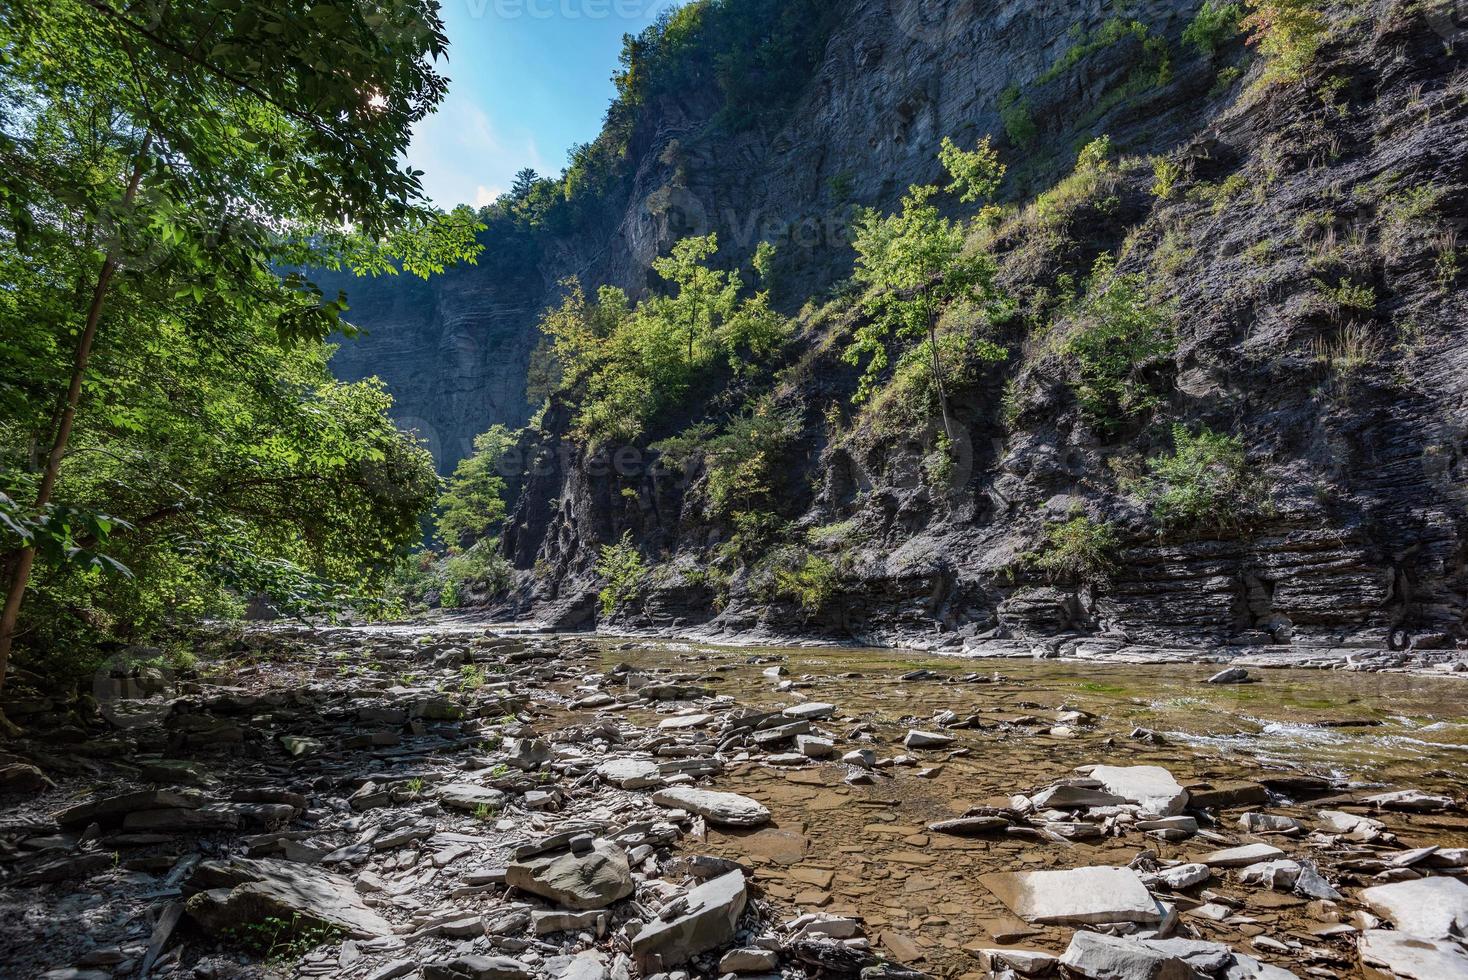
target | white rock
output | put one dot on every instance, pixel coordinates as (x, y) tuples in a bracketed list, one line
[(1151, 787), (1101, 957), (1272, 823), (1081, 896), (1412, 957), (814, 747), (1184, 876), (1410, 800), (1287, 875), (1429, 908), (926, 740), (1187, 825), (685, 721), (1340, 822), (1237, 857), (810, 710)]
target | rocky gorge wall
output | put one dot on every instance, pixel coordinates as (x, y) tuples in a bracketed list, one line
[(1356, 418)]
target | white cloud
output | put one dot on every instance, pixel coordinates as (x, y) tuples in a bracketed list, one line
[(465, 158)]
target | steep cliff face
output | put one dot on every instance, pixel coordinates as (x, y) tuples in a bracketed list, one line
[(897, 77), (1305, 243)]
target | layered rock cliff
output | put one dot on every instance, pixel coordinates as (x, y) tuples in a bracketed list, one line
[(1305, 241)]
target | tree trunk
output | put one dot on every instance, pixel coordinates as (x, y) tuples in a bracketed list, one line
[(938, 369), (693, 320), (20, 572)]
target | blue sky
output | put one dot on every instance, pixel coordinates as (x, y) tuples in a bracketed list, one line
[(528, 79)]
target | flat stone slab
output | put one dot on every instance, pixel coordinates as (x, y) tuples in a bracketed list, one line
[(475, 966), (1428, 908), (467, 796), (1069, 796), (713, 911), (810, 711), (685, 721), (1151, 787), (970, 826), (631, 773), (112, 809), (726, 809), (1101, 957), (1238, 857), (1412, 957), (917, 739), (1081, 896), (1410, 801)]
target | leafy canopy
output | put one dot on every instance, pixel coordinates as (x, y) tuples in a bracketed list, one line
[(621, 364), (169, 175), (914, 263)]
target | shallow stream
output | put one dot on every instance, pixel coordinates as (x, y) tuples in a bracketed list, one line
[(866, 850)]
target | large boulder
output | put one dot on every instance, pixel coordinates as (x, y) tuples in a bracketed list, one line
[(1081, 896), (236, 894), (726, 809), (593, 879), (710, 918)]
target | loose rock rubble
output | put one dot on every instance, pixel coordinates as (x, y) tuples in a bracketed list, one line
[(381, 805)]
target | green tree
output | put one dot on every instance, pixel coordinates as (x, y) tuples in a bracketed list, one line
[(166, 167), (915, 263), (474, 502), (700, 298), (976, 173), (525, 181), (622, 364)]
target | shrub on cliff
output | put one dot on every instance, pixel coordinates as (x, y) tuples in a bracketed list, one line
[(807, 580), (1205, 484), (1119, 333), (1078, 549), (622, 569)]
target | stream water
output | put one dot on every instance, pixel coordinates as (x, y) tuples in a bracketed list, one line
[(866, 850)]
